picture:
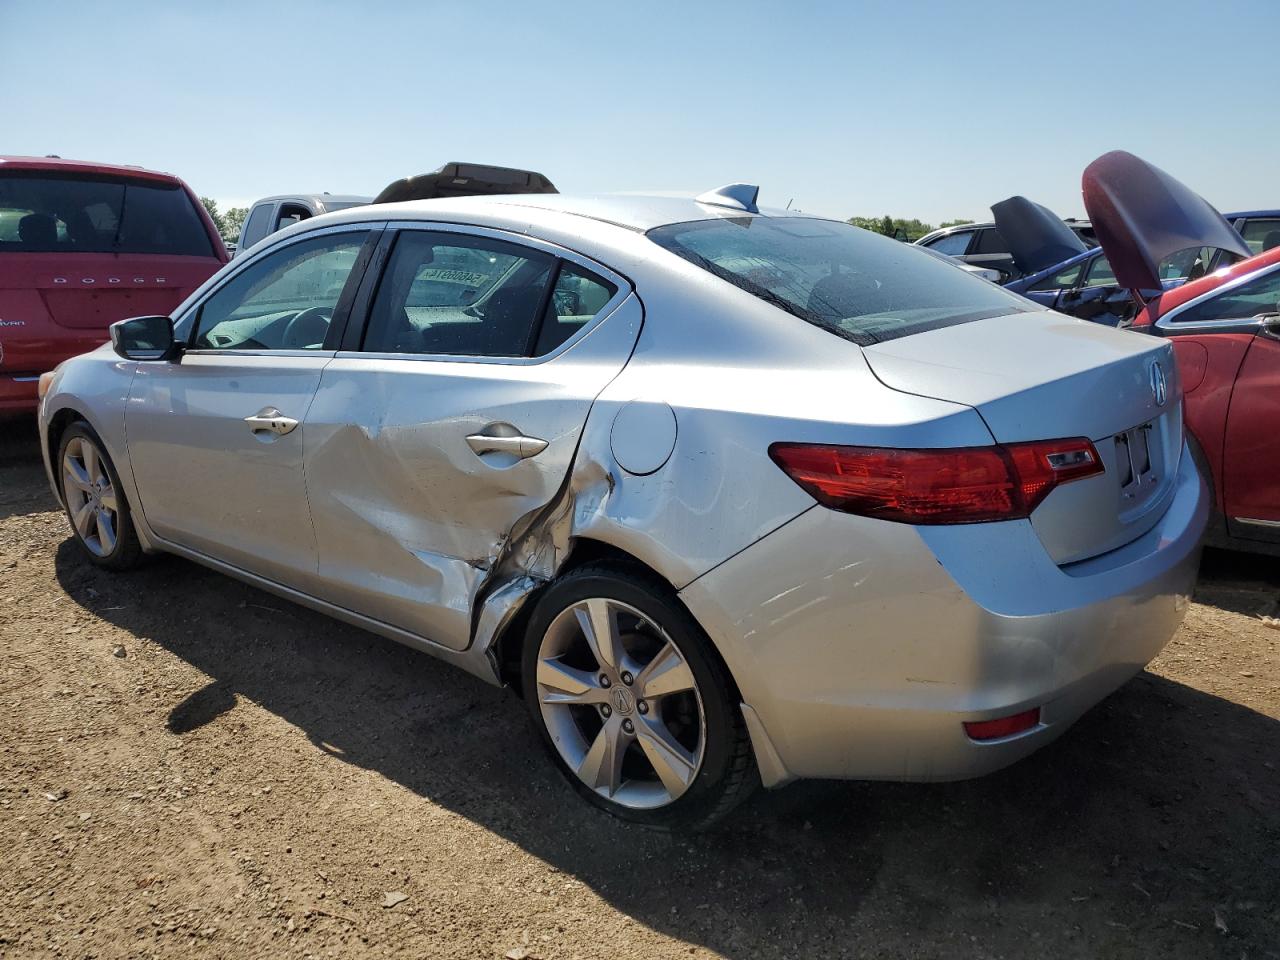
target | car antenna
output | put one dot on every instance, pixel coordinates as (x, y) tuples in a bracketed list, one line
[(741, 196)]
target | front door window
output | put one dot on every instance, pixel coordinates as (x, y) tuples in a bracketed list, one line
[(284, 301)]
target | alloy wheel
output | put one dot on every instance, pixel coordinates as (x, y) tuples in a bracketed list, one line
[(621, 703), (91, 498)]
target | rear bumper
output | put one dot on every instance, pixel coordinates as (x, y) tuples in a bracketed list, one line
[(18, 392), (862, 646)]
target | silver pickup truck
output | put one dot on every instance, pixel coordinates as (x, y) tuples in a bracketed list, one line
[(270, 214), (451, 180)]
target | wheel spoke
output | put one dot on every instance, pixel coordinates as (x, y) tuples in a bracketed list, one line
[(83, 518), (91, 462), (75, 473), (564, 684), (108, 500), (601, 768), (666, 673), (599, 623), (106, 533), (673, 764)]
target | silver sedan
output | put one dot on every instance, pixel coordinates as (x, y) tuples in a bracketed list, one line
[(730, 496)]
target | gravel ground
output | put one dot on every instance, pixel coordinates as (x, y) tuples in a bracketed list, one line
[(191, 767)]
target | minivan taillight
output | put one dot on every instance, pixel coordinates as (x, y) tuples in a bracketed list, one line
[(947, 485)]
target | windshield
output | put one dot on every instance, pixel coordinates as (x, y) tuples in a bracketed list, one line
[(71, 214), (859, 285)]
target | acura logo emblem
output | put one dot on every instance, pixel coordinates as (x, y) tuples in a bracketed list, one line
[(1159, 391)]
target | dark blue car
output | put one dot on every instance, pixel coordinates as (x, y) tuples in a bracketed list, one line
[(1084, 285)]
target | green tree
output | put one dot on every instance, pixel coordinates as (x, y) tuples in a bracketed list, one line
[(889, 226), (233, 222), (953, 223), (211, 206), (866, 223)]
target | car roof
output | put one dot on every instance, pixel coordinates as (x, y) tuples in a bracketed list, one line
[(1189, 291), (943, 231), (1249, 214), (635, 212), (59, 165), (315, 198)]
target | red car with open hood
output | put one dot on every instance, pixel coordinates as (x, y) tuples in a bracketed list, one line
[(83, 245), (1225, 330)]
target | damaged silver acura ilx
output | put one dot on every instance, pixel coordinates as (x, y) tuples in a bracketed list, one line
[(732, 496)]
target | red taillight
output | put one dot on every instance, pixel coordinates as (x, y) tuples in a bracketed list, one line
[(948, 485), (1003, 726)]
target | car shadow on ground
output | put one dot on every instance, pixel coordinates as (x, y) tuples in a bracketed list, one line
[(1155, 818), (1247, 583), (23, 489)]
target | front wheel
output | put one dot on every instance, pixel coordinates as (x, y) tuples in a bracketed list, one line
[(96, 505), (632, 702)]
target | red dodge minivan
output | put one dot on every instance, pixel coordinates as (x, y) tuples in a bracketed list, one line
[(83, 245)]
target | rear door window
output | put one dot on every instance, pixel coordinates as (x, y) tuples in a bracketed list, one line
[(578, 297), (74, 214), (453, 294), (953, 244), (1062, 280), (1261, 234), (1254, 298), (990, 241), (255, 228), (291, 213), (1100, 273)]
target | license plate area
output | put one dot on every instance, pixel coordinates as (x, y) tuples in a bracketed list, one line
[(1136, 463)]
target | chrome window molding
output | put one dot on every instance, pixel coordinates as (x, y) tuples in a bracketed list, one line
[(1169, 323), (326, 354), (519, 239)]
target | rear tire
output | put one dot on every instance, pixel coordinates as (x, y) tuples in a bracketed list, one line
[(633, 703), (95, 501)]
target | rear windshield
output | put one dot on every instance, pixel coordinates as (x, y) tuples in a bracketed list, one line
[(61, 214), (859, 285)]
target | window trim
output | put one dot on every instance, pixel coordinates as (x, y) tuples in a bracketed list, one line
[(342, 309), (1168, 323), (358, 320)]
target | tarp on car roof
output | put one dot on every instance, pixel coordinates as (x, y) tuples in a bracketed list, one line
[(465, 180), (1143, 216), (1036, 236)]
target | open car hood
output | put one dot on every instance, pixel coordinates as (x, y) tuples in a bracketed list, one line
[(1036, 236), (465, 180), (1143, 216)]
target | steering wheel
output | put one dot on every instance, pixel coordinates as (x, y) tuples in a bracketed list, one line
[(306, 328)]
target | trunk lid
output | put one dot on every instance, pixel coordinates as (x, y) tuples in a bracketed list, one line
[(1043, 377), (1036, 236), (1143, 216)]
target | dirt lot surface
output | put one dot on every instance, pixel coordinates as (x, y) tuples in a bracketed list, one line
[(189, 767)]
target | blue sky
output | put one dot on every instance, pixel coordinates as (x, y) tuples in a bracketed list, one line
[(925, 109)]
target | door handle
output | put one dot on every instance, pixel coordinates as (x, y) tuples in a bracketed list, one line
[(270, 420), (518, 446)]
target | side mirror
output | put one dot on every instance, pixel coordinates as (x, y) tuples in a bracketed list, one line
[(144, 338)]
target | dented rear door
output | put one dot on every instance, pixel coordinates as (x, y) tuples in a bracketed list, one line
[(419, 465)]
